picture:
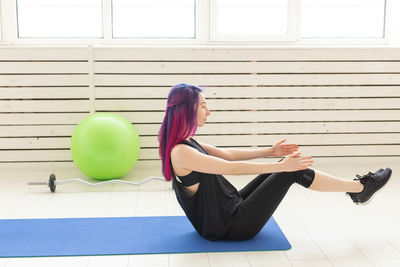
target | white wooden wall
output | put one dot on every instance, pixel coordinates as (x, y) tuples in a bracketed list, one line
[(333, 102)]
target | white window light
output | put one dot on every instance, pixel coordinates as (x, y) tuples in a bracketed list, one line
[(343, 19), (1, 24), (252, 20), (59, 18), (153, 18), (393, 22)]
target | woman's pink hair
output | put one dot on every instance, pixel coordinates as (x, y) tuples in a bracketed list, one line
[(180, 122)]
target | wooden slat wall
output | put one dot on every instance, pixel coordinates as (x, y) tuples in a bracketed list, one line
[(333, 102), (44, 94)]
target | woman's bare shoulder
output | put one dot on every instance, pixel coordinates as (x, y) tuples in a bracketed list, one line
[(179, 154), (180, 148)]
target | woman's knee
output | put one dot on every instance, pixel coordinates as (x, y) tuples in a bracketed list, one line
[(302, 177), (305, 177)]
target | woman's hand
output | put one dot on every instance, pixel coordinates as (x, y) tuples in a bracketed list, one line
[(291, 163), (280, 149)]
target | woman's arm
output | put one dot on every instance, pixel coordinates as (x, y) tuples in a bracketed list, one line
[(185, 157), (247, 154), (232, 154)]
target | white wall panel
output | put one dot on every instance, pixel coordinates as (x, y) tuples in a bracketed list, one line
[(333, 102)]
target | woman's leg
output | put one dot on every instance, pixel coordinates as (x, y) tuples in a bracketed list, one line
[(324, 182), (262, 202), (258, 207), (253, 184)]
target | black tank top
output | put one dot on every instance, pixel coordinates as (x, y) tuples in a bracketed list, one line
[(210, 209)]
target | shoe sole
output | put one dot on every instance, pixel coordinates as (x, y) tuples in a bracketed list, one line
[(380, 189)]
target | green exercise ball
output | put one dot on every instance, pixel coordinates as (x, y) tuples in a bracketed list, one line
[(105, 146)]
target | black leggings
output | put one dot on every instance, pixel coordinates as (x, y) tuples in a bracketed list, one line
[(261, 197)]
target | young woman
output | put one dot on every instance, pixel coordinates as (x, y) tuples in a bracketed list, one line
[(216, 209)]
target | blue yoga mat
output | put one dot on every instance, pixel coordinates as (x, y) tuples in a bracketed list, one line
[(121, 236)]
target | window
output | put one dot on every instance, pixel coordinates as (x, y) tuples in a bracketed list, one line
[(59, 18), (249, 19), (153, 18), (199, 22), (342, 18)]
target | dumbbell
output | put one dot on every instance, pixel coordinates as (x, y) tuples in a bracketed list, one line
[(52, 183)]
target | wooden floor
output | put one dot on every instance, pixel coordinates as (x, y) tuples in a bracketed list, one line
[(324, 229)]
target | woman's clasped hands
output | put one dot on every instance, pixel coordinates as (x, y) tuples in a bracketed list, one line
[(292, 161)]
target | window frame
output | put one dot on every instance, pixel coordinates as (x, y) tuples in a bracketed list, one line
[(205, 33)]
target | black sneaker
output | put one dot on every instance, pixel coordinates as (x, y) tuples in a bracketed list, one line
[(372, 182)]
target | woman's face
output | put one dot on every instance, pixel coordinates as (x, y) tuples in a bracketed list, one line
[(202, 111)]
